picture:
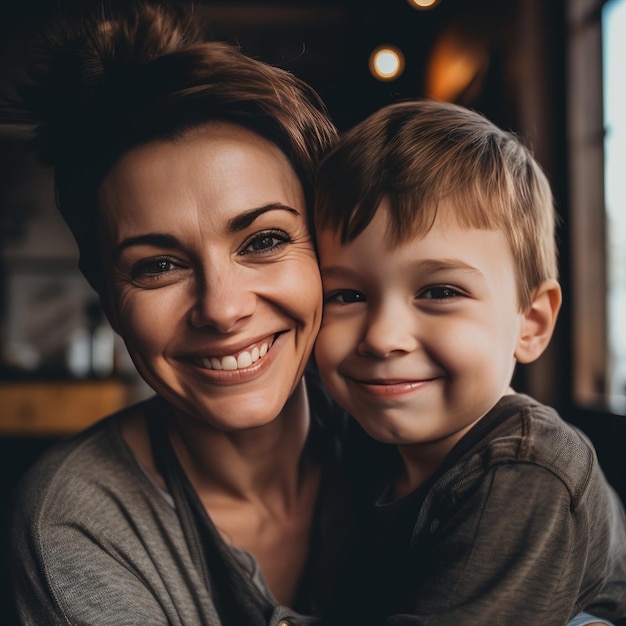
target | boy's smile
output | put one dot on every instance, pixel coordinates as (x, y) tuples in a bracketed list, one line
[(418, 340)]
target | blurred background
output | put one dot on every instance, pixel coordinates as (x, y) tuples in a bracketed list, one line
[(550, 71)]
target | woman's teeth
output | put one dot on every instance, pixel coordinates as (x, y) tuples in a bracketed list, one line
[(243, 359)]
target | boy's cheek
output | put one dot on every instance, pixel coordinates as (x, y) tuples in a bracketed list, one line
[(330, 346), (329, 358), (321, 344)]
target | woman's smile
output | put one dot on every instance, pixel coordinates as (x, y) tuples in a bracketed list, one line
[(241, 359), (240, 367)]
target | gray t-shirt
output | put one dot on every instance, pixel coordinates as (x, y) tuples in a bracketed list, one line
[(96, 541)]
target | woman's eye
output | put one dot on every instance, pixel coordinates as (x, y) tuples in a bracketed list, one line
[(153, 268), (265, 242), (440, 292), (345, 296)]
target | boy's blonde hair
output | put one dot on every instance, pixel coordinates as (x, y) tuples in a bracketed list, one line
[(419, 153)]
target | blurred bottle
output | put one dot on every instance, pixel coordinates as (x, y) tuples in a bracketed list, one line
[(91, 349), (102, 342)]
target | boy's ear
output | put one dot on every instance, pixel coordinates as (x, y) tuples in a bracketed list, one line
[(539, 322)]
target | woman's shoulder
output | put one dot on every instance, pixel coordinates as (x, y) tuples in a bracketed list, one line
[(75, 473), (88, 521)]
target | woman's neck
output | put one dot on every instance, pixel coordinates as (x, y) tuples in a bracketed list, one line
[(249, 464), (258, 486)]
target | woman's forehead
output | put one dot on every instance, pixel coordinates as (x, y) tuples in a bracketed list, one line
[(215, 172)]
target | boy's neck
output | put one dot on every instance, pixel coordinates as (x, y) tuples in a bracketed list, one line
[(421, 460)]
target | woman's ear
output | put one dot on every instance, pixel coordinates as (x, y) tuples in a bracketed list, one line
[(105, 303), (539, 321)]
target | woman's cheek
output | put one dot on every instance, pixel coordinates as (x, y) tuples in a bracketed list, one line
[(148, 318), (302, 281)]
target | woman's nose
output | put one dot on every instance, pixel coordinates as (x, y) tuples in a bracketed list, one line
[(391, 329), (223, 299)]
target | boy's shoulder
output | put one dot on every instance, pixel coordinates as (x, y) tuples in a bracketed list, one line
[(539, 434), (524, 431)]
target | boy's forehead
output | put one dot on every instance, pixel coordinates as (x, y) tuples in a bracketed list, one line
[(328, 240), (376, 236), (478, 257), (400, 222)]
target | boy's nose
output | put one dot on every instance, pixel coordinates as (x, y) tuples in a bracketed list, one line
[(222, 299), (390, 329)]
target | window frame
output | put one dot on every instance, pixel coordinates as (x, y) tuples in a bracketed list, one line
[(587, 215)]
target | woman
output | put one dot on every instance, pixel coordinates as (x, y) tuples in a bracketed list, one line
[(184, 170)]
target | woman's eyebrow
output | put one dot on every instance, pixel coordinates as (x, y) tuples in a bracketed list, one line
[(242, 221), (235, 224), (158, 240)]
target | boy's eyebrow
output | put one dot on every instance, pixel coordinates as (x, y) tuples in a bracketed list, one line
[(426, 265), (336, 271), (442, 265)]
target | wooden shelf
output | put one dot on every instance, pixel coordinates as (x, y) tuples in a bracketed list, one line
[(53, 409)]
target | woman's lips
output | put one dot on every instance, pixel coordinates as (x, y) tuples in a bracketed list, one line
[(236, 361)]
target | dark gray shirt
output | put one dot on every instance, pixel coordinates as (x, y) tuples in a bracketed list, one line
[(518, 526)]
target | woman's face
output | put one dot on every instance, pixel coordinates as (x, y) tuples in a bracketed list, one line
[(213, 280)]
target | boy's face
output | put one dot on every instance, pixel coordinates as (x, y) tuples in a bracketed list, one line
[(418, 341)]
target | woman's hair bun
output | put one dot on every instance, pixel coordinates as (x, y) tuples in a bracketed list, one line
[(83, 75), (102, 84)]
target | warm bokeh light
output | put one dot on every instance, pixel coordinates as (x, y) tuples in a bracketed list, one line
[(456, 64), (386, 63), (423, 4)]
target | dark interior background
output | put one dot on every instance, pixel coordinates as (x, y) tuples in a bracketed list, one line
[(517, 79)]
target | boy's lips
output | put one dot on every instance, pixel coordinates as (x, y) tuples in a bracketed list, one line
[(391, 386), (237, 360)]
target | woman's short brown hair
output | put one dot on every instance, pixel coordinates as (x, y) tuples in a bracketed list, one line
[(419, 153), (105, 84)]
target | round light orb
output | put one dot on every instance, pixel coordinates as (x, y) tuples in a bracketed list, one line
[(423, 4), (386, 63)]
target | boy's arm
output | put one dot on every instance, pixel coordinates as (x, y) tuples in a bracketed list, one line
[(518, 550)]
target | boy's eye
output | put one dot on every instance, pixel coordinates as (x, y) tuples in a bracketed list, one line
[(439, 292), (345, 296), (265, 242)]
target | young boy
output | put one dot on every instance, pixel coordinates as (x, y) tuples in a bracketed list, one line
[(437, 251)]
